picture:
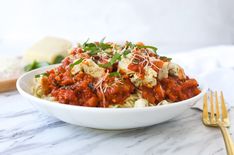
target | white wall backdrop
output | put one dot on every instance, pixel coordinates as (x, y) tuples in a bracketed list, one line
[(171, 25)]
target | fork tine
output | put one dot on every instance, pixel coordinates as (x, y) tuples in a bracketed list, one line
[(212, 117), (224, 108), (205, 115), (217, 106), (222, 124)]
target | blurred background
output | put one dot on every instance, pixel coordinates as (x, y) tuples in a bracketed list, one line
[(170, 25)]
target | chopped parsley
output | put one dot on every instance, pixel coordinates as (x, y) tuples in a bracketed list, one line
[(163, 58), (104, 46), (42, 74), (58, 59), (126, 52), (113, 60), (95, 48), (92, 47), (130, 45), (150, 47), (94, 52), (85, 42), (76, 62), (115, 57), (34, 65), (115, 74)]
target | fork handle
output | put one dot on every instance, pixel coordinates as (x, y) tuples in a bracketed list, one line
[(228, 140)]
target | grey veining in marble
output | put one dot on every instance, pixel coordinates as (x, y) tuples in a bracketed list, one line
[(25, 131)]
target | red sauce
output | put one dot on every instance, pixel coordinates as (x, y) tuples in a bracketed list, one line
[(69, 89), (117, 92), (80, 89), (139, 68), (178, 90), (172, 89)]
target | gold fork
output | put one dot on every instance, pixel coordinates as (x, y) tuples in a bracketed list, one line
[(218, 119)]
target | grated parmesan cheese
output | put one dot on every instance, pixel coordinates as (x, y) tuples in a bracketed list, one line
[(10, 68)]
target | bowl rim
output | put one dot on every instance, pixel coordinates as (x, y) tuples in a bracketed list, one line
[(24, 93)]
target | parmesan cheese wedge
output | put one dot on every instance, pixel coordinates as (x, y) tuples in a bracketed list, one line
[(47, 49)]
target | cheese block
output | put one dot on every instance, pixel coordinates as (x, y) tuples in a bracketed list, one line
[(47, 49)]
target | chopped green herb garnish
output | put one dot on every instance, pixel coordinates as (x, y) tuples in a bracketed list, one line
[(76, 62), (115, 74), (163, 58), (104, 46), (58, 59), (90, 47), (94, 48), (130, 45), (34, 65), (150, 47), (113, 60), (107, 65), (126, 52), (115, 57), (42, 74), (94, 52), (85, 42)]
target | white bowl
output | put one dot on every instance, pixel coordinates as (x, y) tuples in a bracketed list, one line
[(103, 118)]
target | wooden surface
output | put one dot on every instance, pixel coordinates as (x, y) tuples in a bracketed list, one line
[(7, 85)]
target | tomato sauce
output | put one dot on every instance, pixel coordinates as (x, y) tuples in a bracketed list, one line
[(116, 92), (171, 89), (84, 90), (80, 89)]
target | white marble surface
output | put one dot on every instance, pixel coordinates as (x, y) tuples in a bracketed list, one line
[(26, 131)]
